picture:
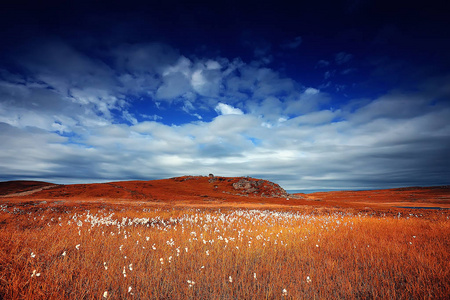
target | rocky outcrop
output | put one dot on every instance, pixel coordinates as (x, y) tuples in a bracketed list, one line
[(252, 186)]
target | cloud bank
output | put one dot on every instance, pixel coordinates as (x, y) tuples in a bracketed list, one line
[(148, 111)]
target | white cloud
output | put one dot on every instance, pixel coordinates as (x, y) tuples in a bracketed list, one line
[(77, 113), (317, 117), (183, 65), (310, 100), (174, 85), (198, 80), (212, 65), (311, 91), (225, 109)]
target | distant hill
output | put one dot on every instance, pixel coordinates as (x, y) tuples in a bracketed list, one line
[(179, 188), (14, 187), (411, 196), (214, 190)]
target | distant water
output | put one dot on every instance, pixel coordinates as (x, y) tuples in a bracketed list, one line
[(423, 207), (311, 191)]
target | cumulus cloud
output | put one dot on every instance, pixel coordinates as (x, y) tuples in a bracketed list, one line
[(225, 109), (76, 117), (173, 86)]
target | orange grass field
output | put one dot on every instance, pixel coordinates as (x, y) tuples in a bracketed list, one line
[(54, 250)]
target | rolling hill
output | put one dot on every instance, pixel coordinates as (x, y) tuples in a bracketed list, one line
[(216, 190)]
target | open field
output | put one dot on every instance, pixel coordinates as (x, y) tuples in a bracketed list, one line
[(235, 247), (106, 251)]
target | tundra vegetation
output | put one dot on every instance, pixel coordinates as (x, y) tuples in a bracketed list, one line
[(99, 251)]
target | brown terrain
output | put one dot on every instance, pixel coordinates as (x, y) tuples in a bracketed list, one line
[(222, 191), (209, 237)]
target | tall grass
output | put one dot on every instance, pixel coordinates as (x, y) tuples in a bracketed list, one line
[(184, 253)]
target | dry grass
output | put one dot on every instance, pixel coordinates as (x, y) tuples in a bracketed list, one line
[(185, 253)]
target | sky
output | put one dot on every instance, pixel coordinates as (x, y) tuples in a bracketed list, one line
[(317, 95)]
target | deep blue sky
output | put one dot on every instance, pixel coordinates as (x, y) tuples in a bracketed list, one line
[(322, 95)]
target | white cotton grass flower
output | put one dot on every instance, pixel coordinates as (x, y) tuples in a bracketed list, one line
[(130, 267), (129, 289), (105, 294), (254, 275), (191, 283), (64, 253), (32, 255), (308, 279), (35, 274), (230, 279), (77, 246), (284, 292)]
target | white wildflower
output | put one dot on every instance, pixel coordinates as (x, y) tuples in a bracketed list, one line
[(191, 283), (230, 279), (105, 294), (64, 253), (130, 267), (33, 255), (284, 292), (254, 275), (308, 279), (78, 247)]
